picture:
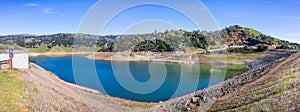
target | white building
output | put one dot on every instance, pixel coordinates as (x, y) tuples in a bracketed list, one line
[(20, 59)]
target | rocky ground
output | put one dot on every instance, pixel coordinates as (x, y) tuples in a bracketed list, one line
[(272, 84)]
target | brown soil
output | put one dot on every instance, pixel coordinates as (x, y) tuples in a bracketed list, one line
[(49, 93)]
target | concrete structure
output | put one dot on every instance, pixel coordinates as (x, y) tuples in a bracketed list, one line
[(20, 59)]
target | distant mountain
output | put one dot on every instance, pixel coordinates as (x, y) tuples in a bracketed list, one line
[(158, 41), (61, 39)]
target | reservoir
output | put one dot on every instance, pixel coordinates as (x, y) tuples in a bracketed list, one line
[(137, 81)]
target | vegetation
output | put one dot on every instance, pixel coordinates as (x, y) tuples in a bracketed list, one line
[(197, 40), (11, 98), (241, 50), (158, 42), (167, 41), (237, 35), (253, 32), (40, 49), (274, 91), (6, 46), (154, 45), (246, 50)]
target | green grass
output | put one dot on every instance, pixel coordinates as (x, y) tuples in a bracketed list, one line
[(11, 91), (40, 49), (60, 49), (253, 32), (6, 46), (44, 49), (235, 58)]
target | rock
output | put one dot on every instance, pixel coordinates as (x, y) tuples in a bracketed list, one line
[(195, 100), (188, 109)]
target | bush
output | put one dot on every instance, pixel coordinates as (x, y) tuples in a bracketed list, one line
[(261, 48)]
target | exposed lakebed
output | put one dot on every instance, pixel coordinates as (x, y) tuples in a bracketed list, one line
[(153, 82)]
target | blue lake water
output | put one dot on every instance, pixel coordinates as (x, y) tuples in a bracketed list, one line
[(168, 80)]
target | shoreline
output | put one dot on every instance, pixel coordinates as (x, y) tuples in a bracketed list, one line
[(61, 80), (58, 54), (153, 57), (169, 58), (89, 98)]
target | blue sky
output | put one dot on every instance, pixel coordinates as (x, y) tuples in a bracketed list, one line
[(278, 18)]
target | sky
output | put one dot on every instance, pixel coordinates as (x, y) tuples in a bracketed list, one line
[(278, 18)]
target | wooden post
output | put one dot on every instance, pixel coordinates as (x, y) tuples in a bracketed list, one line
[(10, 64)]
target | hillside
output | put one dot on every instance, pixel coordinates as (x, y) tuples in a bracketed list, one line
[(237, 35), (167, 41), (272, 84), (37, 90), (277, 90)]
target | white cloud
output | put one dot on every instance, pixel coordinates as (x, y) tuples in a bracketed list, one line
[(49, 11), (32, 5)]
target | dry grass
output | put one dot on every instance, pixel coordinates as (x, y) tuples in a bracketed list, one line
[(278, 90), (139, 105)]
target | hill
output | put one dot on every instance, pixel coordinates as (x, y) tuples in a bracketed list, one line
[(167, 41), (237, 35)]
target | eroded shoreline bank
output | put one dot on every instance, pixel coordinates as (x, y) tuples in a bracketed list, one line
[(166, 57), (203, 99)]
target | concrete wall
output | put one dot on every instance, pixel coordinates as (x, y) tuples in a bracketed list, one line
[(20, 59)]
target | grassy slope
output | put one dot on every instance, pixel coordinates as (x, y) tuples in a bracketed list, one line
[(40, 49), (44, 49), (253, 32), (6, 46), (276, 91), (12, 97)]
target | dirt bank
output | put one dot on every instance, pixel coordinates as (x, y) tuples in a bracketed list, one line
[(197, 58), (272, 84), (59, 54), (49, 93)]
